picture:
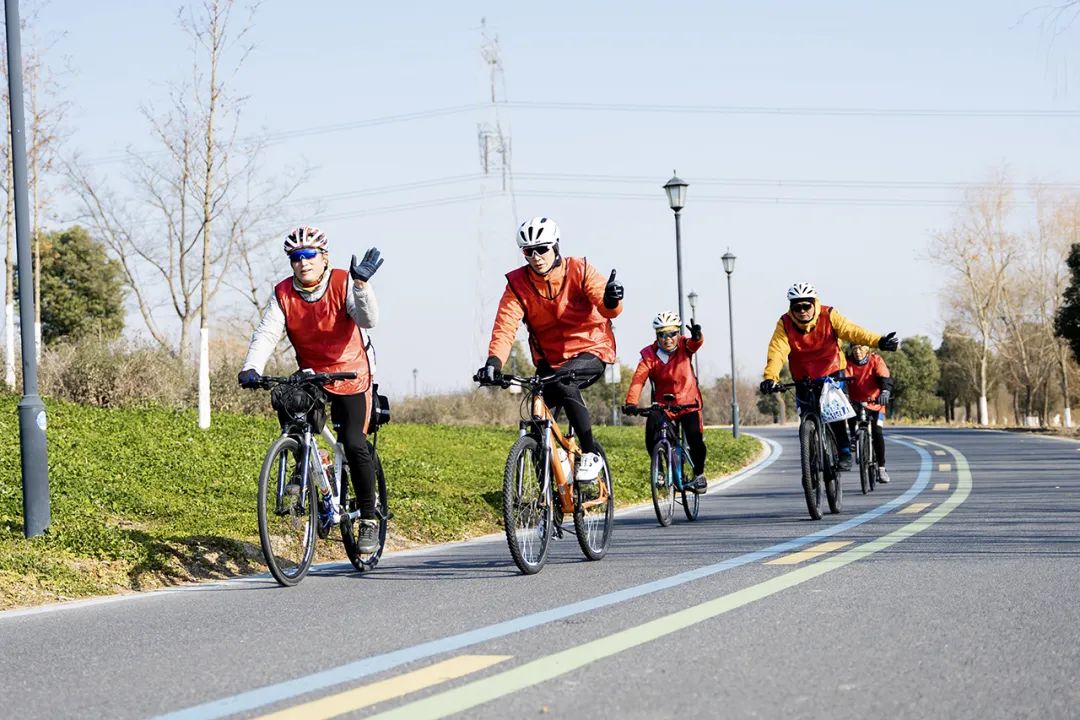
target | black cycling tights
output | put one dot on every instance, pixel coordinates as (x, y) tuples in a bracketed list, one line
[(587, 370), (349, 412)]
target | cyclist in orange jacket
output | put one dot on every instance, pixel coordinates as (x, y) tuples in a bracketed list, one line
[(668, 363), (326, 313), (808, 336), (567, 307), (869, 379)]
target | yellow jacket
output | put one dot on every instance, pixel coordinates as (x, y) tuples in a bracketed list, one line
[(780, 347)]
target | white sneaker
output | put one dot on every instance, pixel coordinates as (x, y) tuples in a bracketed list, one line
[(588, 468), (882, 476)]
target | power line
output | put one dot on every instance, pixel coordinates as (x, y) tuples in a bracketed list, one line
[(803, 111), (808, 183)]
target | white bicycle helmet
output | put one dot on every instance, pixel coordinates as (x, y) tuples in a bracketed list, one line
[(538, 231), (305, 237), (800, 291), (666, 319)]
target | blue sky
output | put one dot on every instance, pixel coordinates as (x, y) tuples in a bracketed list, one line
[(325, 63)]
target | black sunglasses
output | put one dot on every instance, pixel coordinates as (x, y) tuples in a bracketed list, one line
[(801, 307), (536, 250), (665, 335)]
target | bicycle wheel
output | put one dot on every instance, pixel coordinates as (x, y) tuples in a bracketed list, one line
[(691, 501), (594, 516), (810, 454), (834, 488), (866, 473), (350, 529), (527, 510), (662, 483), (287, 513)]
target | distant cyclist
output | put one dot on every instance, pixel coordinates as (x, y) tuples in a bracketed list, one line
[(325, 312), (668, 363), (869, 379), (808, 337), (567, 306)]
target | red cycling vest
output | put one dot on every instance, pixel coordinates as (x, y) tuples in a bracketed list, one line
[(566, 325), (676, 377), (814, 354), (324, 335)]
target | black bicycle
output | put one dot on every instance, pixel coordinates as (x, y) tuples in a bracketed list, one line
[(296, 474), (864, 448), (817, 446), (669, 461)]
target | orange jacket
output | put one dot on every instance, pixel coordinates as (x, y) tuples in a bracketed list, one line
[(563, 310), (814, 350), (675, 377), (325, 337), (864, 381)]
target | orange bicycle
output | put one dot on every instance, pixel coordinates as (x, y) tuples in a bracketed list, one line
[(538, 485)]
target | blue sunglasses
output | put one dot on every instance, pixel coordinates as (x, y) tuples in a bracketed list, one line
[(302, 254)]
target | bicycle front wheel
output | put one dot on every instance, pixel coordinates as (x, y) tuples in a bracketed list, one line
[(527, 509), (810, 452), (663, 484), (287, 513), (866, 473), (594, 514)]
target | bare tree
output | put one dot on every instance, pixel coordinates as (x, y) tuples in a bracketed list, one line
[(978, 250), (202, 202)]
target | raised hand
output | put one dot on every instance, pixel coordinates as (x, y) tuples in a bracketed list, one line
[(889, 343), (364, 269), (613, 292), (695, 330)]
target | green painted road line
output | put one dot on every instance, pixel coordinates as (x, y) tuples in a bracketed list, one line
[(546, 668)]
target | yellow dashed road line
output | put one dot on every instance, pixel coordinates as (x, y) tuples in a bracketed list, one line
[(809, 553), (914, 508), (941, 486), (395, 687), (944, 467)]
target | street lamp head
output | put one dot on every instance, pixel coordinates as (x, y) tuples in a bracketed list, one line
[(729, 262), (676, 193), (692, 297)]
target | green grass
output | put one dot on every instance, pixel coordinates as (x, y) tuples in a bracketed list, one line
[(143, 498)]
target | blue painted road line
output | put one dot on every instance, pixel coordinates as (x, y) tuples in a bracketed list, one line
[(350, 672)]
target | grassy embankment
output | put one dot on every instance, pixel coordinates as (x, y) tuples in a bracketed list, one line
[(143, 498)]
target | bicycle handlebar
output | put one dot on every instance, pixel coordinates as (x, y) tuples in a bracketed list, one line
[(505, 381), (304, 378), (669, 407)]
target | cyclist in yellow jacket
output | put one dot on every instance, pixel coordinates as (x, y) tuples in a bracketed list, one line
[(808, 337)]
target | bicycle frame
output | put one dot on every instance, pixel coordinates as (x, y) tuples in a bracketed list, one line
[(543, 424), (671, 437)]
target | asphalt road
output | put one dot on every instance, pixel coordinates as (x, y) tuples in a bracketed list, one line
[(951, 592)]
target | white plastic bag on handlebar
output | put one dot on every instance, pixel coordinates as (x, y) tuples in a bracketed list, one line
[(835, 405)]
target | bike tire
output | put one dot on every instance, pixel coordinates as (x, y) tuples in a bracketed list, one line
[(865, 470), (286, 526), (527, 512), (593, 523), (364, 562), (691, 501), (810, 450), (662, 484), (834, 488)]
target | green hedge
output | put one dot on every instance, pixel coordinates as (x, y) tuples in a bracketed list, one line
[(142, 498)]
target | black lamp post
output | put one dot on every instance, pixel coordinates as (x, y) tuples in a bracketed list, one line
[(676, 193), (729, 267)]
